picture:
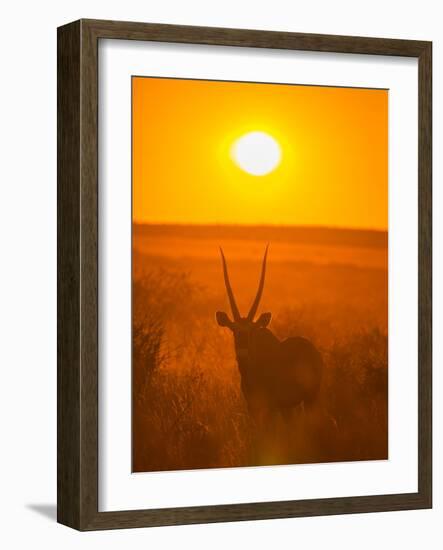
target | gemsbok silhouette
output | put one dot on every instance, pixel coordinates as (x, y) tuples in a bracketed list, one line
[(276, 376)]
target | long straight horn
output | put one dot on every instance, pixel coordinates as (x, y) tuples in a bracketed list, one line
[(261, 284), (234, 307)]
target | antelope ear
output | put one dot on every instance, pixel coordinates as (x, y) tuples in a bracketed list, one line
[(223, 319), (264, 320)]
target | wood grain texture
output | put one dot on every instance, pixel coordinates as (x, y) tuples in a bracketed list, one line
[(254, 38), (77, 228), (425, 274), (68, 275)]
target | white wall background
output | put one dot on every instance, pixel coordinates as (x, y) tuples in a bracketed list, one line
[(28, 270)]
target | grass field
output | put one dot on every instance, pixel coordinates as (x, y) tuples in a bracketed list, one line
[(328, 285)]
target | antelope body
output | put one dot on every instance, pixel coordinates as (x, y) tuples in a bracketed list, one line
[(276, 375)]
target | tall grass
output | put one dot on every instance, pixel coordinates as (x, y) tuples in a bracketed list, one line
[(188, 409)]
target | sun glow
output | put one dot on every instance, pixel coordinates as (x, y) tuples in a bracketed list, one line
[(257, 153), (251, 154)]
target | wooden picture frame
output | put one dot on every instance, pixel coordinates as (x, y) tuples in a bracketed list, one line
[(77, 173)]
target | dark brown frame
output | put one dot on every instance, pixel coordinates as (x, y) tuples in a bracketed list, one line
[(77, 454)]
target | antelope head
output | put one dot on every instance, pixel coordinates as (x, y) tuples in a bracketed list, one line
[(243, 328)]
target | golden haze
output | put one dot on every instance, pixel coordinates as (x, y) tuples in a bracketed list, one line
[(334, 168), (326, 284)]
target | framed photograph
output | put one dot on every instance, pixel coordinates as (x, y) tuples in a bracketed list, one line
[(244, 275)]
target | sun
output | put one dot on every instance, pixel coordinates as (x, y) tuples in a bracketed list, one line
[(257, 153)]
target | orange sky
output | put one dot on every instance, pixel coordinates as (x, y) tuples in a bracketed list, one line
[(334, 142)]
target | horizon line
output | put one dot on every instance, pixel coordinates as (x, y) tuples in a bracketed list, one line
[(267, 225)]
